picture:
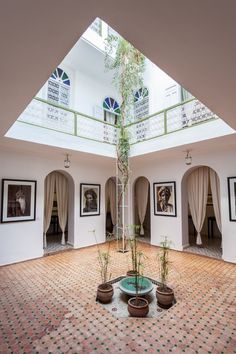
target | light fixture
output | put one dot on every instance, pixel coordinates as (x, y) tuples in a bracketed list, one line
[(188, 158), (67, 161)]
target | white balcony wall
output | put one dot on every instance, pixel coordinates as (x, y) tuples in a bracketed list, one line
[(201, 132), (48, 137)]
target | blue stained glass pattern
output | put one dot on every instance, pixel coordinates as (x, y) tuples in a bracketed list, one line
[(140, 94), (60, 72), (60, 75), (111, 105)]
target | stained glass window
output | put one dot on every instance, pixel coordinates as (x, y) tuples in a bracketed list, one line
[(59, 87), (109, 104), (141, 103), (111, 110)]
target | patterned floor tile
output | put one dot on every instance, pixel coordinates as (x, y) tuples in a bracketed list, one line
[(48, 306)]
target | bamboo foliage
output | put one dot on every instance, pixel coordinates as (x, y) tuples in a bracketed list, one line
[(104, 259), (127, 65), (164, 262)]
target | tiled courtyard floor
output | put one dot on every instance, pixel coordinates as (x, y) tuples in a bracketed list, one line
[(48, 306)]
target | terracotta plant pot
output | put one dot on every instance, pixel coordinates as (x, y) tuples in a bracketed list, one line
[(105, 293), (138, 307), (165, 297), (131, 273)]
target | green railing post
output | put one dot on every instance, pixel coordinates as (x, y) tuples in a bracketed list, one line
[(165, 121), (75, 124)]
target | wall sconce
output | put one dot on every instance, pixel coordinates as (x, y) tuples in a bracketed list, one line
[(188, 158), (67, 161)]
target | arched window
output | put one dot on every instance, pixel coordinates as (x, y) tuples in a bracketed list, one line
[(59, 88), (141, 103), (111, 110)]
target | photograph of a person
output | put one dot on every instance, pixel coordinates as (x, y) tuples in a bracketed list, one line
[(164, 198), (89, 199), (18, 200), (232, 198)]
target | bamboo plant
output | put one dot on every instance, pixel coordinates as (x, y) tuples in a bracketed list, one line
[(127, 65), (104, 259), (164, 262), (164, 294)]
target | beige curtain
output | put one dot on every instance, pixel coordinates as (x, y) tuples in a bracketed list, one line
[(48, 203), (215, 190), (197, 197), (141, 193), (111, 193), (62, 202)]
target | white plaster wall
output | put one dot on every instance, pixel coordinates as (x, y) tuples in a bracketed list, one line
[(24, 240), (90, 92), (158, 169), (157, 81), (200, 132), (49, 137)]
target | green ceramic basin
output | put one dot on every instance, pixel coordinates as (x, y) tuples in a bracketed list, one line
[(127, 286)]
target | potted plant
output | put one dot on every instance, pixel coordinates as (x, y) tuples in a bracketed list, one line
[(138, 306), (164, 294), (105, 290)]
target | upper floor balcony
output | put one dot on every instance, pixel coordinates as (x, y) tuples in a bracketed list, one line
[(47, 123)]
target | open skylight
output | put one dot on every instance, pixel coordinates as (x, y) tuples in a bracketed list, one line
[(80, 86)]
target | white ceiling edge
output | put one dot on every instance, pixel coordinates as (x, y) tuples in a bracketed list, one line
[(200, 133)]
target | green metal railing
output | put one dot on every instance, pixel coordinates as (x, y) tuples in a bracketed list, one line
[(44, 114), (172, 119), (51, 116)]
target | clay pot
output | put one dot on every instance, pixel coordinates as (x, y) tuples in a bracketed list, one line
[(165, 297), (105, 293), (138, 307)]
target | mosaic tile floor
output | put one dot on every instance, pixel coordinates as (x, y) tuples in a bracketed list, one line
[(54, 244), (48, 306), (211, 247)]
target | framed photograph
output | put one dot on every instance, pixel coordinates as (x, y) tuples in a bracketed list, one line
[(89, 199), (164, 198), (232, 198), (18, 200)]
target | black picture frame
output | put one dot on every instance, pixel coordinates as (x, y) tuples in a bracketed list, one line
[(18, 201), (90, 199), (232, 198), (165, 206)]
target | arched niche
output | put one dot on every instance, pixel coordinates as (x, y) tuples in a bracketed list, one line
[(110, 205), (209, 229), (141, 201), (71, 204)]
